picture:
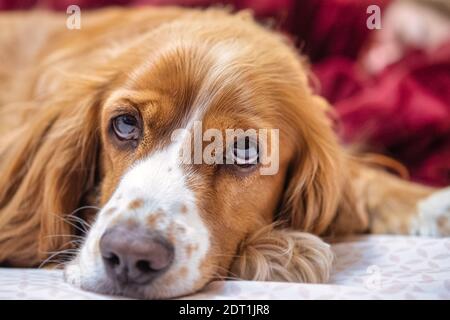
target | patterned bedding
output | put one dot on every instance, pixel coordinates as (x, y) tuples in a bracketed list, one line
[(368, 267)]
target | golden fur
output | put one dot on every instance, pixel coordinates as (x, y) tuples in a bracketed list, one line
[(59, 88)]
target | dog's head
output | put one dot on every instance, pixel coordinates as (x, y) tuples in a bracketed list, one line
[(148, 133)]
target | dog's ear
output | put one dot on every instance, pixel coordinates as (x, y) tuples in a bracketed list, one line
[(322, 194), (317, 172), (331, 192), (48, 164)]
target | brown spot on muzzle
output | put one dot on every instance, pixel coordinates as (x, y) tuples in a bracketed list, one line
[(172, 232), (154, 217), (136, 204), (183, 272), (190, 249)]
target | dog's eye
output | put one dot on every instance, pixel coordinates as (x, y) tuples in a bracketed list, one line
[(245, 152), (126, 127)]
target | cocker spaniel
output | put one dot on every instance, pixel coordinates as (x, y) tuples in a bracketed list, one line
[(90, 166)]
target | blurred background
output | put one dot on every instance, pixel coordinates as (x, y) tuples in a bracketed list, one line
[(390, 87)]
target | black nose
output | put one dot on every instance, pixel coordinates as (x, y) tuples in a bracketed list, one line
[(134, 255)]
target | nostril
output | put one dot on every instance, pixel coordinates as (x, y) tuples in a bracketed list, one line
[(112, 259), (144, 266), (136, 256)]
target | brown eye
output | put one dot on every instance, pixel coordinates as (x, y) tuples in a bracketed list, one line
[(126, 127)]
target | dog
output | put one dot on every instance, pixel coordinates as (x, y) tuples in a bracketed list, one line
[(90, 169)]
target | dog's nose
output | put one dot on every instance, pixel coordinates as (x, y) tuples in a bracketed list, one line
[(134, 255)]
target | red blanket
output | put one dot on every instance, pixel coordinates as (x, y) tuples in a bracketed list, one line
[(404, 111)]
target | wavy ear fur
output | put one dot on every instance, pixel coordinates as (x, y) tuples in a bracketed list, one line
[(48, 164), (330, 192), (317, 173)]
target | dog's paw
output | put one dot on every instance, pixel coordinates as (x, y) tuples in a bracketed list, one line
[(434, 215), (283, 255)]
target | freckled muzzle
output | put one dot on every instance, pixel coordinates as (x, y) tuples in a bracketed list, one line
[(135, 255), (149, 240)]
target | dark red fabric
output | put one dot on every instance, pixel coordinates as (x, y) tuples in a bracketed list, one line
[(403, 112)]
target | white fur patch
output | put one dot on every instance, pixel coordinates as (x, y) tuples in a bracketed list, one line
[(434, 215), (158, 184)]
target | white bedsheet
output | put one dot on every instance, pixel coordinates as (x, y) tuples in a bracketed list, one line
[(369, 267)]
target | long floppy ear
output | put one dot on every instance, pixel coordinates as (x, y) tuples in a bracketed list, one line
[(330, 192), (48, 164), (317, 172)]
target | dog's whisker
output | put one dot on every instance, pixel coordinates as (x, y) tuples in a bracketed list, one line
[(216, 275), (64, 235), (82, 222), (83, 231), (229, 274), (70, 251), (58, 264), (65, 251), (83, 208)]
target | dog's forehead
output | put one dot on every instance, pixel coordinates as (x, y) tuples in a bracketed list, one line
[(179, 85), (188, 80)]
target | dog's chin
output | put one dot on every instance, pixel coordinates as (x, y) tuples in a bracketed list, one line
[(101, 284), (147, 292), (126, 291), (110, 288)]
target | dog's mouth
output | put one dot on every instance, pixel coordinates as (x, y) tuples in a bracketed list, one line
[(166, 287), (126, 290)]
